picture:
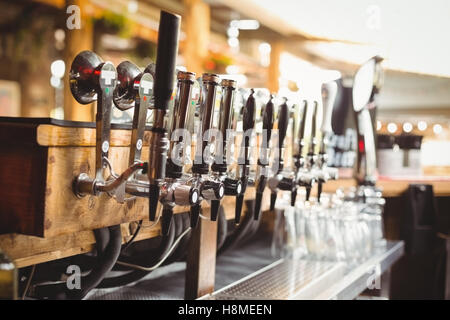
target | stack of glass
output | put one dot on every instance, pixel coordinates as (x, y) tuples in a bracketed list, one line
[(342, 227)]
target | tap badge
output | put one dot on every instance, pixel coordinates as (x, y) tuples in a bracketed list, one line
[(146, 85), (108, 75)]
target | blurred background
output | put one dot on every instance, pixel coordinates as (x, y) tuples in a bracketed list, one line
[(286, 46)]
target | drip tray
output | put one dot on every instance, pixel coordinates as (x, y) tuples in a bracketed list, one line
[(285, 279)]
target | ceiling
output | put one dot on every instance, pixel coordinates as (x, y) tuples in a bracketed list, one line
[(410, 34)]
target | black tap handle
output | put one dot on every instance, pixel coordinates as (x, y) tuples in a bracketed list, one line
[(215, 204), (166, 220), (313, 128), (283, 121), (293, 196), (248, 116), (302, 127), (169, 28), (258, 201), (248, 123), (195, 215), (319, 190), (267, 121), (273, 199), (239, 203), (248, 119)]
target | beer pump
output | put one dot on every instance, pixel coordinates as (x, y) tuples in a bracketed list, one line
[(91, 80), (210, 187), (322, 171), (366, 85), (169, 28), (134, 89), (303, 177), (279, 182), (176, 190), (220, 166), (311, 156), (263, 160), (248, 125)]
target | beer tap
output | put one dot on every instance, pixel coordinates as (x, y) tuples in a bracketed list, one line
[(279, 182), (248, 125), (210, 187), (134, 89), (232, 187), (263, 161), (303, 177), (366, 86), (311, 157), (175, 190), (169, 27), (324, 173), (91, 79)]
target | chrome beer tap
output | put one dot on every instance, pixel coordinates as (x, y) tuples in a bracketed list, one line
[(91, 80), (211, 188), (311, 157), (263, 161), (248, 125), (366, 86), (176, 190), (323, 172), (279, 182), (134, 89), (303, 177), (232, 187), (169, 27)]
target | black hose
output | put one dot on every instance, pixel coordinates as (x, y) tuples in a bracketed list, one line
[(136, 232), (238, 233), (102, 238), (151, 259), (182, 247), (253, 227), (106, 259), (222, 228)]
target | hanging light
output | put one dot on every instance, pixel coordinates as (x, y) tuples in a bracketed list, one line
[(392, 127), (407, 127), (437, 128), (422, 125)]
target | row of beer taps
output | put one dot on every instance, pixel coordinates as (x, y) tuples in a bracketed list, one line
[(166, 179)]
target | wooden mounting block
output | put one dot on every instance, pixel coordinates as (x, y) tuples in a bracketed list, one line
[(40, 159)]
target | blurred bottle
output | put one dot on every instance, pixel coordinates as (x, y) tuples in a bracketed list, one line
[(410, 146), (388, 155), (8, 278)]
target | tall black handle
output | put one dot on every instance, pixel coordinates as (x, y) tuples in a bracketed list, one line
[(312, 143), (267, 122), (283, 121), (302, 127), (169, 27), (248, 123), (248, 117)]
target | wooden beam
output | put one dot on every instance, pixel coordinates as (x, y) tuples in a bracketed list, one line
[(196, 22), (274, 67), (77, 40)]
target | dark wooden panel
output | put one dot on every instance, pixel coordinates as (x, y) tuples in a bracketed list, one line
[(23, 173)]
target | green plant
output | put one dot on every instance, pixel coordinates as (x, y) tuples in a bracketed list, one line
[(112, 22)]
